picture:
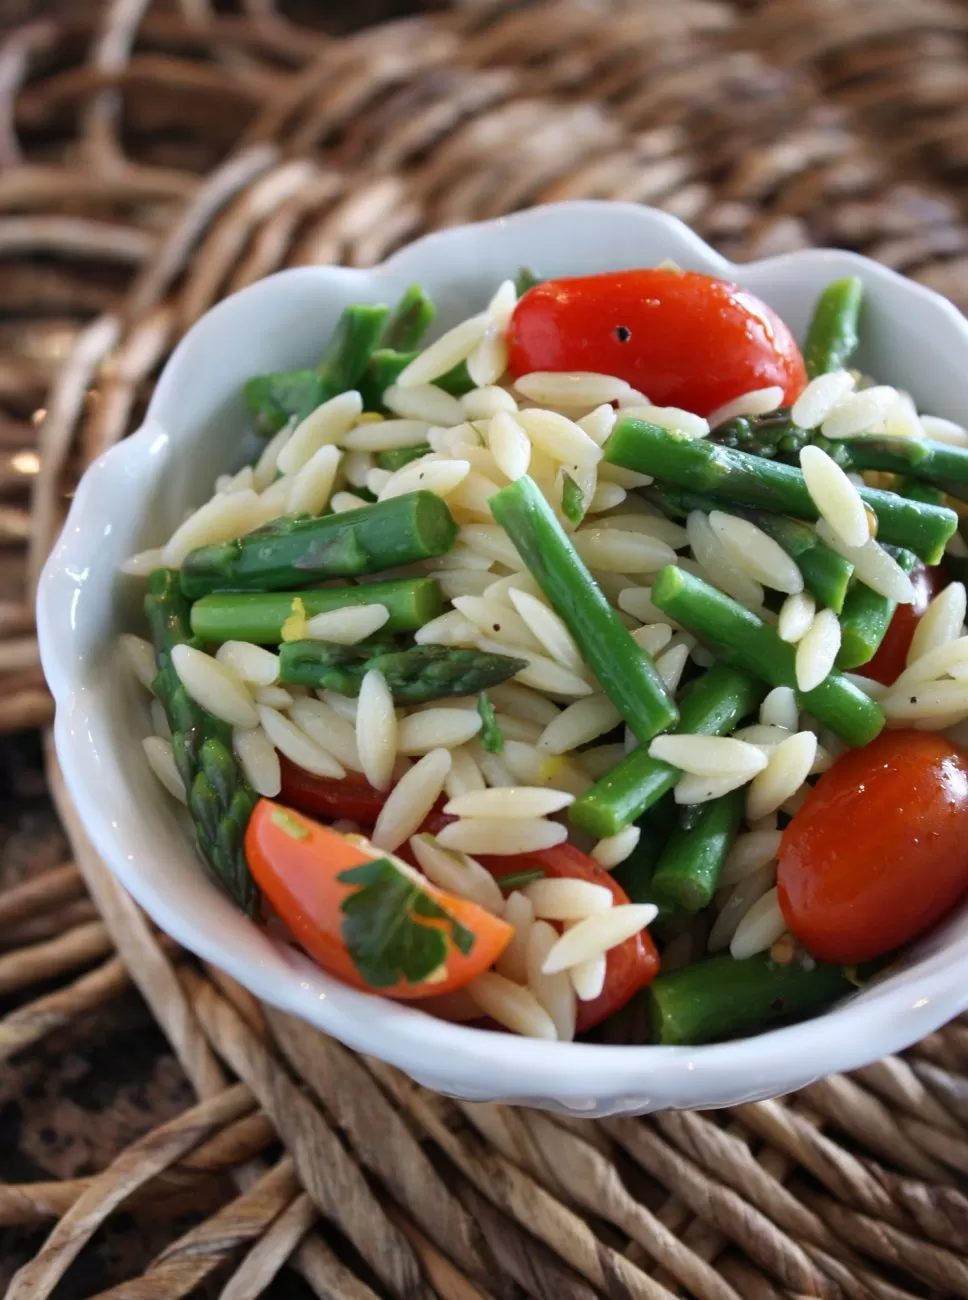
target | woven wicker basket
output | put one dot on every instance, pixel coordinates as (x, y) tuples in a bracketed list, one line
[(154, 158)]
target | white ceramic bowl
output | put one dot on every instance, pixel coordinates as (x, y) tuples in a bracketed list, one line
[(196, 427)]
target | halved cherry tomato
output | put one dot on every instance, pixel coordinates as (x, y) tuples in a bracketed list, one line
[(630, 966), (682, 338), (891, 657), (352, 797), (296, 863), (879, 851)]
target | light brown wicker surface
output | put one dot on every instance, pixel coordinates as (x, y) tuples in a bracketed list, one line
[(161, 156)]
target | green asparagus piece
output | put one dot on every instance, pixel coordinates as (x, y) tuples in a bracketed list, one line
[(401, 456), (910, 487), (688, 871), (711, 705), (825, 573), (273, 400), (411, 318), (420, 673), (723, 998), (832, 336), (219, 799), (636, 872), (356, 334), (773, 435), (866, 616), (399, 531), (259, 616), (744, 639), (625, 670), (939, 463), (385, 367), (738, 478)]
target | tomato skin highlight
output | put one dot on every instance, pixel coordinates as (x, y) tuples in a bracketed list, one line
[(629, 966), (879, 851), (891, 657), (693, 341), (297, 871)]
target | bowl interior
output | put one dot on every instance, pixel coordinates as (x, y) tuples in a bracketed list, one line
[(197, 428)]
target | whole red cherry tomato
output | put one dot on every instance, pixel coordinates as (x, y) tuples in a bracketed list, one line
[(891, 658), (628, 967), (879, 851), (682, 338)]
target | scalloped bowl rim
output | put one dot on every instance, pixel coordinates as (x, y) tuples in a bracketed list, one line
[(589, 1078)]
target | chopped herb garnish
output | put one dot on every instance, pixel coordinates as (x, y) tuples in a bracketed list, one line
[(518, 879), (525, 280), (572, 501), (384, 926), (491, 737)]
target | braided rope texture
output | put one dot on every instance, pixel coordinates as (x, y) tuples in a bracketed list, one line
[(154, 157)]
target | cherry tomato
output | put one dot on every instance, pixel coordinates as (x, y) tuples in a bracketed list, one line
[(353, 797), (879, 851), (628, 967), (296, 863), (891, 657), (682, 338)]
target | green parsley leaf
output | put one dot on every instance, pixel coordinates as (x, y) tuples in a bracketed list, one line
[(491, 735), (382, 926), (572, 501), (525, 280)]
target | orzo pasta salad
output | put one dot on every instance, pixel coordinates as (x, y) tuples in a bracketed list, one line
[(597, 668)]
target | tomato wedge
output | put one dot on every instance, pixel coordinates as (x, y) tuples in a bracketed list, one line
[(628, 967), (879, 851), (683, 338), (891, 657), (371, 928)]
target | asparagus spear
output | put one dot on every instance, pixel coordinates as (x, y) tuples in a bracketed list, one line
[(910, 487), (773, 435), (938, 463), (625, 670), (374, 537), (866, 616), (738, 478), (832, 336), (712, 705), (410, 320), (636, 872), (275, 399), (259, 616), (825, 573), (414, 675), (688, 871), (724, 998), (219, 799), (385, 366), (744, 639)]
